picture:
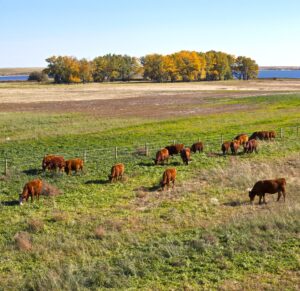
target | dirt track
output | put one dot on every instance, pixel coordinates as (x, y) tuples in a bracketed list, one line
[(136, 99)]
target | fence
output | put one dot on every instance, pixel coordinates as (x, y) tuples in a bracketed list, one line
[(102, 159)]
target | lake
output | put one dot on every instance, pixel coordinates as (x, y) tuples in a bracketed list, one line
[(14, 78)]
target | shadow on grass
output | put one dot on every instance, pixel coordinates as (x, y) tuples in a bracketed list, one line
[(153, 188), (97, 182), (32, 172), (10, 203), (236, 203)]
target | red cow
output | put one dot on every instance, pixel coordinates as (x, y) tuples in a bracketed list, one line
[(168, 177), (234, 146), (225, 147), (175, 149), (251, 146), (268, 186), (185, 155), (198, 146), (117, 172), (52, 162), (161, 156), (73, 165), (242, 138), (31, 189)]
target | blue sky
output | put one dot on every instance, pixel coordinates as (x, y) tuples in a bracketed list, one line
[(32, 30)]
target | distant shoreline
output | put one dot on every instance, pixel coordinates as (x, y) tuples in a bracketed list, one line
[(291, 68)]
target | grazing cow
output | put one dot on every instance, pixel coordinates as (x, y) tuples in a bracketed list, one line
[(185, 155), (168, 177), (161, 156), (251, 146), (117, 172), (268, 186), (52, 162), (272, 134), (175, 149), (31, 189), (234, 146), (263, 135), (225, 147), (242, 138), (198, 146), (73, 165)]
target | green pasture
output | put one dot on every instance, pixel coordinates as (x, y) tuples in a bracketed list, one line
[(200, 235)]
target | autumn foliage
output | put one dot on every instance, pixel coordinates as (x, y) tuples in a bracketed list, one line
[(180, 66)]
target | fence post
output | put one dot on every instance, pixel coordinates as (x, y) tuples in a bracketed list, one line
[(146, 150), (116, 152), (84, 156), (297, 130), (5, 167), (281, 132), (174, 141), (222, 139)]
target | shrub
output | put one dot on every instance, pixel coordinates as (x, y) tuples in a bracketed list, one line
[(23, 241), (38, 76), (35, 225)]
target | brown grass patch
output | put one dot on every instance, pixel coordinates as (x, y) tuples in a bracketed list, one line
[(50, 190), (35, 225), (23, 241), (100, 232), (59, 215)]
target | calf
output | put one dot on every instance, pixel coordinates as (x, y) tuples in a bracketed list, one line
[(161, 156), (175, 149), (117, 172), (169, 176), (31, 189), (73, 165), (225, 147), (52, 162), (268, 186), (242, 138), (251, 146), (185, 155), (234, 146), (198, 146)]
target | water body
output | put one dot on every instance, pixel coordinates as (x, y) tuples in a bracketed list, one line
[(281, 74), (14, 78)]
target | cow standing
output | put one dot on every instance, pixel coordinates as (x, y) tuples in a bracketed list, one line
[(234, 146), (169, 176), (268, 186), (175, 149), (198, 146), (185, 155), (251, 146), (73, 165), (31, 189), (161, 156), (117, 172), (53, 162), (242, 138), (225, 147)]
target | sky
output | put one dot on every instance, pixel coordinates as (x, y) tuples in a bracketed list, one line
[(32, 30)]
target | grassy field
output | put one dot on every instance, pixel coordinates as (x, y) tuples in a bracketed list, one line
[(18, 71), (202, 235)]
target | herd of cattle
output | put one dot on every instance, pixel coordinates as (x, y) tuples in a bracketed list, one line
[(249, 144)]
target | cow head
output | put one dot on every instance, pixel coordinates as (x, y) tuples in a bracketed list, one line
[(110, 178), (251, 196)]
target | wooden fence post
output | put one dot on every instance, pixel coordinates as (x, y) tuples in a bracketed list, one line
[(281, 132), (174, 141), (116, 152), (222, 139), (146, 150), (297, 130)]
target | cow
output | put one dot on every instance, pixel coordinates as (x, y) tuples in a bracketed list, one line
[(225, 147), (117, 172), (31, 189), (169, 176), (161, 156), (251, 146), (53, 162), (263, 135), (198, 146), (73, 165), (242, 138), (234, 146), (268, 186), (272, 134), (175, 149), (185, 155)]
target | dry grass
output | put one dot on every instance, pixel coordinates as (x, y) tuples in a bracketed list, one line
[(35, 225), (18, 71), (59, 215), (50, 190), (23, 241), (100, 232)]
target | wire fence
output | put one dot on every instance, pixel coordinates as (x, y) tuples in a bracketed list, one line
[(139, 153)]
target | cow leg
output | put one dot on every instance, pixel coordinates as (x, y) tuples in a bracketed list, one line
[(173, 184), (260, 196), (283, 192), (279, 195), (264, 197)]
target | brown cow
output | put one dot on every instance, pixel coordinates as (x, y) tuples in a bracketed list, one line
[(175, 149), (251, 146), (168, 177), (52, 162), (234, 146), (198, 146), (185, 155), (161, 156), (242, 138), (31, 189), (268, 186), (117, 172), (225, 147), (73, 165), (263, 135), (272, 134)]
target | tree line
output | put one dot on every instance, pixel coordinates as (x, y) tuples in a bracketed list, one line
[(180, 66)]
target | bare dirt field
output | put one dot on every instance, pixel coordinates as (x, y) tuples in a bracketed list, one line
[(136, 99)]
